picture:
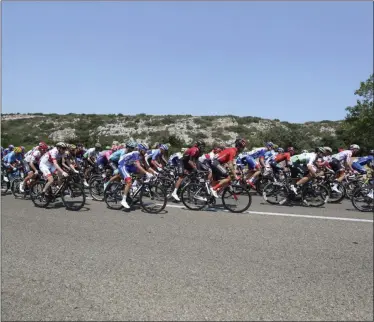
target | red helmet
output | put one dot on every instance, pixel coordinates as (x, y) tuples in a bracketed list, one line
[(43, 146)]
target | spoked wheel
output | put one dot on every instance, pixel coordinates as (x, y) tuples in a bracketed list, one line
[(96, 188), (363, 199), (275, 193), (236, 199), (152, 198), (36, 195), (315, 195), (351, 186), (73, 196), (195, 196), (261, 183), (113, 195), (337, 193), (15, 188)]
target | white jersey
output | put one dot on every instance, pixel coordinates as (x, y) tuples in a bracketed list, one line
[(91, 153), (50, 156), (173, 158), (207, 156), (34, 156), (343, 156)]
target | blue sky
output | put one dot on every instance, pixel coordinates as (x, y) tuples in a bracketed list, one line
[(296, 61)]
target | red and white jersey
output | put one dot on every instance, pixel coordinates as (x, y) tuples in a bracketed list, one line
[(34, 155), (343, 156), (208, 156), (50, 156)]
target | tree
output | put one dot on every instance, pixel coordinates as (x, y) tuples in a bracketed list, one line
[(358, 126)]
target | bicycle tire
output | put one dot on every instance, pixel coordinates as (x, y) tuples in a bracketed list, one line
[(187, 189), (233, 189), (73, 187), (356, 193), (146, 190), (275, 187), (113, 192), (340, 188), (320, 187), (92, 188), (34, 195)]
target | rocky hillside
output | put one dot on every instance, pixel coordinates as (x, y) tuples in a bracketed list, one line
[(179, 130)]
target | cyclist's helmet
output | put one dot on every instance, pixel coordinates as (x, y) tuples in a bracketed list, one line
[(280, 150), (164, 147), (371, 152), (269, 144), (240, 143), (354, 147), (143, 147), (328, 149), (72, 146), (131, 144), (22, 148), (17, 149), (97, 145), (321, 149), (304, 151), (61, 145), (43, 146), (11, 147)]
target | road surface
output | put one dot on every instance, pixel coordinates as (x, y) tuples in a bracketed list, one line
[(273, 263)]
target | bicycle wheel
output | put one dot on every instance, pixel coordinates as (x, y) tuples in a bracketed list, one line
[(195, 196), (261, 183), (73, 196), (96, 188), (152, 198), (351, 186), (336, 196), (113, 195), (362, 199), (36, 195), (275, 193), (315, 195), (236, 199), (15, 188)]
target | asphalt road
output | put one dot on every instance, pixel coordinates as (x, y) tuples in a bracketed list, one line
[(273, 263)]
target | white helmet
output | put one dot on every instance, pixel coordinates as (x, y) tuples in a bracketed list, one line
[(354, 146), (61, 145)]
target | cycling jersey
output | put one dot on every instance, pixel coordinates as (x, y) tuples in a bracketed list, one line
[(257, 153), (175, 159), (115, 156), (226, 155), (34, 155), (286, 156), (269, 156), (304, 158), (126, 164), (344, 156), (91, 153), (207, 157), (365, 160), (46, 162), (191, 153), (154, 154), (12, 157)]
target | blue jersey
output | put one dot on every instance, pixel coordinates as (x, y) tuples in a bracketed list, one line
[(365, 160), (270, 156), (155, 154), (116, 156), (12, 157), (257, 153), (129, 158)]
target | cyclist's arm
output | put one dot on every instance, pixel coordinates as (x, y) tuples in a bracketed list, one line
[(139, 167), (55, 163)]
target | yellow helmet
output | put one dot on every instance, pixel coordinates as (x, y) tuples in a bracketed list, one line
[(17, 149)]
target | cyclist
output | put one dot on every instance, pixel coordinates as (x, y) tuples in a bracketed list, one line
[(359, 165), (31, 163), (155, 157), (49, 164), (188, 164), (225, 158), (89, 158), (130, 163)]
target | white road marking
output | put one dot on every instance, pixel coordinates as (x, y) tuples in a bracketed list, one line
[(290, 215)]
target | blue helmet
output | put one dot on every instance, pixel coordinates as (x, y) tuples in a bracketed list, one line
[(164, 147), (131, 144), (143, 146), (270, 144), (11, 147)]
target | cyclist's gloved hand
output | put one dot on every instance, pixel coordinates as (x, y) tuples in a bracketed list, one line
[(64, 174)]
